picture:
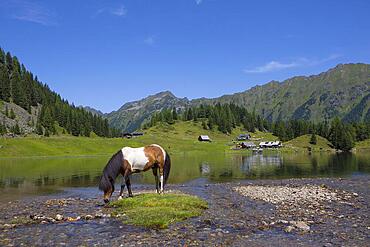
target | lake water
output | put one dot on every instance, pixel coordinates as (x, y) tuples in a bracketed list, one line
[(20, 177)]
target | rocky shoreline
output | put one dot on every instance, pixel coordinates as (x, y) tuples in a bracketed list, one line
[(305, 212)]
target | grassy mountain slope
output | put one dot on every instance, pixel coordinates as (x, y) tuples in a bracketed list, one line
[(302, 143), (342, 91)]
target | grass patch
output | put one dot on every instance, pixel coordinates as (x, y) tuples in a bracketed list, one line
[(158, 211), (302, 143), (365, 144)]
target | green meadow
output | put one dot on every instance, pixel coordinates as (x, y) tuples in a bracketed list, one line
[(176, 138)]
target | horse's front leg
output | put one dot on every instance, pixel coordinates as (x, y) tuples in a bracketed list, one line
[(155, 173), (122, 188)]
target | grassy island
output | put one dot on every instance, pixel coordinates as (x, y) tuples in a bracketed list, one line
[(158, 211)]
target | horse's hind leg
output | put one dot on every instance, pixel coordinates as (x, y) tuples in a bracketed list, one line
[(128, 184), (155, 173), (161, 179)]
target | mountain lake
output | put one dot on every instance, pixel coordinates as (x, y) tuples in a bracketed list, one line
[(23, 177)]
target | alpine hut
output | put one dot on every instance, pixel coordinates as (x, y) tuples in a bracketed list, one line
[(204, 138)]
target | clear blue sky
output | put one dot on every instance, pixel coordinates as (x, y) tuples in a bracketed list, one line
[(104, 53)]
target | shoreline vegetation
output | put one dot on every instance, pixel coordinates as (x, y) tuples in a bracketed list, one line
[(176, 138)]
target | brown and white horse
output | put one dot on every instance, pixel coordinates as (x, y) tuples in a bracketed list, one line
[(133, 160)]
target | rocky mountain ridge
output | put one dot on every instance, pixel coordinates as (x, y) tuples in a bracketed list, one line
[(342, 91)]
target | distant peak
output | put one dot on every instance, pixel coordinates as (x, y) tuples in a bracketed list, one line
[(163, 93)]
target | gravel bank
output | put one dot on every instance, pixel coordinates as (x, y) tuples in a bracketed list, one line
[(305, 212)]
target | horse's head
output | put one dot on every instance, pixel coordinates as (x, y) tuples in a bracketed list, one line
[(107, 186)]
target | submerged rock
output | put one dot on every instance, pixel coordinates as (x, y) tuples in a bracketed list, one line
[(89, 217), (289, 229), (59, 217), (301, 225)]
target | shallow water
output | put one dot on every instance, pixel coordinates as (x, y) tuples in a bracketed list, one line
[(20, 177)]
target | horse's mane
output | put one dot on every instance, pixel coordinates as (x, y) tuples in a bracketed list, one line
[(111, 171)]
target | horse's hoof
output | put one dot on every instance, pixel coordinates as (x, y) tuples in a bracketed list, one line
[(120, 198), (131, 195)]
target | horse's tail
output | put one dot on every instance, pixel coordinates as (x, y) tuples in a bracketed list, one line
[(167, 167)]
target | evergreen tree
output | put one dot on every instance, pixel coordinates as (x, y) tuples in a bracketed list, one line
[(189, 115), (16, 129), (11, 114), (341, 136), (2, 56), (9, 61), (6, 111), (4, 83), (18, 91), (336, 132), (348, 142), (47, 134), (210, 122), (2, 129), (313, 139), (174, 114), (39, 129), (204, 125)]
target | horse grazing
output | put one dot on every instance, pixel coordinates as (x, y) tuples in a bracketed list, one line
[(133, 160)]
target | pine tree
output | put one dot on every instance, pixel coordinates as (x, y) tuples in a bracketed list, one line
[(336, 132), (4, 83), (46, 119), (16, 129), (18, 91), (348, 142), (47, 134), (6, 111), (174, 114), (39, 129), (204, 125), (313, 139), (9, 61), (189, 115), (210, 122), (2, 129), (11, 114), (341, 136), (2, 56)]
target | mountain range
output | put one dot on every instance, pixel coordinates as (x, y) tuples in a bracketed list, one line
[(342, 91)]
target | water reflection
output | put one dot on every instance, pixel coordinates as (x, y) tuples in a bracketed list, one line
[(258, 160), (204, 169), (44, 175)]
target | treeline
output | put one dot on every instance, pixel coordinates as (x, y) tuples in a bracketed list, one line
[(225, 117), (20, 86), (341, 134)]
